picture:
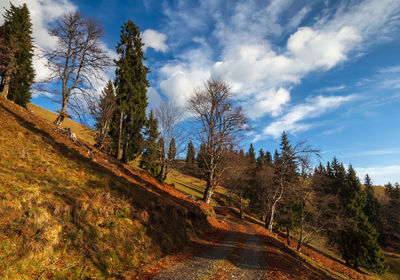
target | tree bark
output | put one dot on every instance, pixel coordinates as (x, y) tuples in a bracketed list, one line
[(60, 119), (6, 87), (300, 242), (119, 151), (208, 193), (288, 235), (241, 207), (273, 207)]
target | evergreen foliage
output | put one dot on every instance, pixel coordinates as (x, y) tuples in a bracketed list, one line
[(103, 113), (391, 236), (190, 156), (251, 154), (261, 159), (19, 28), (172, 150), (356, 236), (151, 153), (201, 156), (130, 85), (372, 208)]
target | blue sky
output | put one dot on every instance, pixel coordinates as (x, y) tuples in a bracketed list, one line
[(324, 71)]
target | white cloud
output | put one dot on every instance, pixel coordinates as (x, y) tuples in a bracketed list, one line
[(292, 121), (312, 49), (380, 175), (154, 39), (270, 102), (181, 81), (42, 14), (243, 51), (154, 98), (331, 89)]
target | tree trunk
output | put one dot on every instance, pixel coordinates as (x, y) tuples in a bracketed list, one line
[(271, 217), (6, 87), (119, 151), (209, 188), (60, 119), (300, 242), (241, 207), (208, 193), (288, 235), (273, 207)]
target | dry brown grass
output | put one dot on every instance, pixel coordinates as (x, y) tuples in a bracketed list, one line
[(65, 216), (81, 131)]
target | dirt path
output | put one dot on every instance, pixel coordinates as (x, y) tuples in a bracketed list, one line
[(249, 264)]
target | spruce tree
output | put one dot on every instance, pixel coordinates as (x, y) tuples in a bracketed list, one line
[(172, 150), (190, 154), (358, 239), (261, 159), (391, 233), (251, 154), (103, 113), (201, 156), (19, 29), (150, 155), (130, 86), (372, 208)]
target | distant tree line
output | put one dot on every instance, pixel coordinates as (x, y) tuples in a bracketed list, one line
[(291, 196)]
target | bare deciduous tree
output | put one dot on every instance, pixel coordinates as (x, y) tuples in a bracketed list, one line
[(237, 177), (316, 215), (220, 123), (285, 170), (169, 115), (264, 180), (77, 60)]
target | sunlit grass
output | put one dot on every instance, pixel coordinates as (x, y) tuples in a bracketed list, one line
[(81, 131)]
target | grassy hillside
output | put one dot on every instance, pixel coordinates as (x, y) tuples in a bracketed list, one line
[(81, 131), (65, 216)]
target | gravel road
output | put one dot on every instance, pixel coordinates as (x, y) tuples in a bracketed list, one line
[(248, 267)]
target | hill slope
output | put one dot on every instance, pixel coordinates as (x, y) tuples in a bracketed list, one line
[(68, 211), (65, 215)]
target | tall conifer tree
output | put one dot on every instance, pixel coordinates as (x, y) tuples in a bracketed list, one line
[(150, 156), (201, 156), (103, 112), (19, 29), (356, 237), (172, 150), (130, 86), (251, 154), (372, 208), (190, 154)]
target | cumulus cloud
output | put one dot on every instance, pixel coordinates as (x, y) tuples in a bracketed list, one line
[(380, 175), (293, 120), (42, 14), (243, 48), (155, 40)]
